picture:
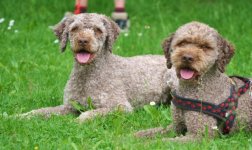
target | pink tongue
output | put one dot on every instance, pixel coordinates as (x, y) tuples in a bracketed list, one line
[(186, 73), (83, 57)]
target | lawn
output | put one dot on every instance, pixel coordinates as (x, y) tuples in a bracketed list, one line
[(33, 72)]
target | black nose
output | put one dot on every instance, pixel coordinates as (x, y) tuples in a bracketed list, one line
[(83, 41), (187, 58)]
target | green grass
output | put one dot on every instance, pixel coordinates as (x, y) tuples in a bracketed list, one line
[(33, 72)]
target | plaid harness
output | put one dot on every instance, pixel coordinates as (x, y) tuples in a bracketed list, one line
[(223, 112)]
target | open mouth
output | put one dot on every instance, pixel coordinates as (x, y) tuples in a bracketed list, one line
[(84, 57), (188, 74)]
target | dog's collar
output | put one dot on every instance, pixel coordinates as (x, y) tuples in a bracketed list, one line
[(223, 112)]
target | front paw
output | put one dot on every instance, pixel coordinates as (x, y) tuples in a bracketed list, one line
[(27, 115), (143, 133), (182, 139), (150, 132), (84, 117)]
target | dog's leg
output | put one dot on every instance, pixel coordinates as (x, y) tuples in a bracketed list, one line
[(183, 139), (126, 107), (153, 131), (178, 120), (178, 125), (48, 111), (92, 113)]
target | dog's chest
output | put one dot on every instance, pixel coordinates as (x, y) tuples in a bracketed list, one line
[(99, 86), (209, 94), (197, 121), (81, 86)]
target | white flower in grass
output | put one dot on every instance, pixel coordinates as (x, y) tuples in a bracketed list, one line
[(147, 27), (9, 27), (11, 23), (215, 128), (139, 34), (56, 41), (118, 47), (152, 103), (5, 115), (2, 20), (16, 31), (126, 34)]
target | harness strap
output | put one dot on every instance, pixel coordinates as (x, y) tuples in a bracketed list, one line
[(223, 112)]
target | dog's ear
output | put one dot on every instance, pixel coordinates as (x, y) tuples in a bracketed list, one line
[(166, 45), (113, 31), (61, 31), (226, 52)]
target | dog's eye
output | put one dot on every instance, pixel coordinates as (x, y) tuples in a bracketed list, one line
[(74, 29), (205, 47), (182, 43), (97, 31)]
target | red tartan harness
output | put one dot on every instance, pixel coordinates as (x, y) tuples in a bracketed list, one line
[(224, 112)]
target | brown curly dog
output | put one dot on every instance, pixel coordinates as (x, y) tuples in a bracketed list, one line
[(109, 80), (205, 100)]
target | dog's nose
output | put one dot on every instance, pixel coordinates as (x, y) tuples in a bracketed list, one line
[(83, 41), (187, 58)]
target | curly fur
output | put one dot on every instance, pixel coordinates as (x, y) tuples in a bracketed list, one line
[(166, 47), (109, 80), (209, 54)]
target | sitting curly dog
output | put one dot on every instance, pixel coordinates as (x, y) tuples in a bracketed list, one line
[(109, 80), (205, 99)]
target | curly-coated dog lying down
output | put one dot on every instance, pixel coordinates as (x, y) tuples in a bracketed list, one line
[(109, 80), (205, 99)]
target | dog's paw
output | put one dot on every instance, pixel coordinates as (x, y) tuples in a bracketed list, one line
[(27, 115), (182, 139), (33, 113), (147, 133), (142, 133), (84, 117)]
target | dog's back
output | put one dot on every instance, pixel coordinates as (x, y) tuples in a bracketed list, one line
[(144, 78)]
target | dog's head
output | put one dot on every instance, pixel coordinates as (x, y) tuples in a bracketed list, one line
[(195, 48), (90, 35)]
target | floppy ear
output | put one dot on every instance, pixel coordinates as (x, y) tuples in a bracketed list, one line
[(61, 31), (226, 52), (166, 45), (113, 31)]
